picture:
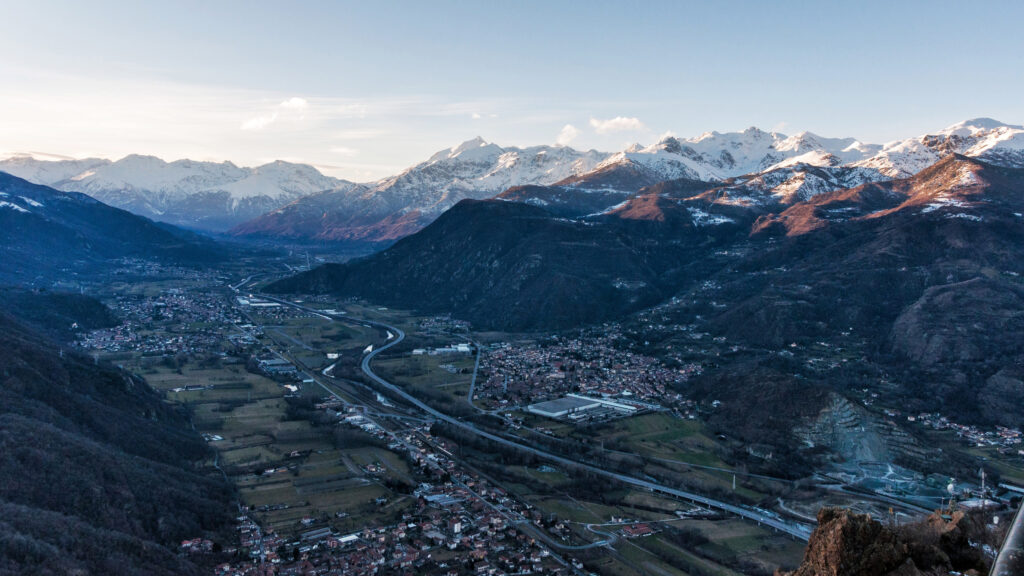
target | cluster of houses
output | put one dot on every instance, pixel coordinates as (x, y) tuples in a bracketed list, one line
[(589, 364), (460, 524), (422, 543), (443, 324), (202, 311), (1007, 440)]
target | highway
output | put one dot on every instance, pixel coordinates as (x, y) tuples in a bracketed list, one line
[(796, 530)]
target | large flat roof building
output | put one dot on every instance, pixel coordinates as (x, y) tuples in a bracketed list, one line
[(562, 406), (574, 403)]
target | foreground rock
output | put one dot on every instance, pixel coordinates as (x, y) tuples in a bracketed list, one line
[(849, 544)]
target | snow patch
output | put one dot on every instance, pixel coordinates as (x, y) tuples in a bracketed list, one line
[(942, 203), (12, 206), (610, 209), (970, 217), (702, 218)]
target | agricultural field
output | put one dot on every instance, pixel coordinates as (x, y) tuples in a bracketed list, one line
[(449, 374), (294, 475)]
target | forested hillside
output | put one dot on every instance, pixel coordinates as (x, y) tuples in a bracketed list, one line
[(97, 474)]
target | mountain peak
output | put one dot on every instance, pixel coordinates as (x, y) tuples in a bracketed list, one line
[(975, 125), (670, 144), (142, 158), (477, 142), (473, 150)]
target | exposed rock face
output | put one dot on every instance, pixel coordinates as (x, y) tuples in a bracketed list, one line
[(847, 431), (849, 544), (851, 433)]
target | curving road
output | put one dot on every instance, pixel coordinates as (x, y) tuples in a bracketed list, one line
[(796, 530)]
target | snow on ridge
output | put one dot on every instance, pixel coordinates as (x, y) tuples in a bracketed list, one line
[(983, 138), (775, 167), (12, 206), (975, 126)]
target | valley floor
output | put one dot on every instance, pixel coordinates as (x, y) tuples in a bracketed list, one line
[(336, 471)]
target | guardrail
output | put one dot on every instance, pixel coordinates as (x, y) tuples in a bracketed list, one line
[(1010, 560)]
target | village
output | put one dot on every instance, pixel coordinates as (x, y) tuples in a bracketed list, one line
[(1006, 440), (460, 523), (588, 364), (198, 317)]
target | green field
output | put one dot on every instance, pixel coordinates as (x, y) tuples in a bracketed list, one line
[(248, 411)]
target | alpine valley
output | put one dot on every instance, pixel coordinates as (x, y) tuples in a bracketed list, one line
[(674, 358)]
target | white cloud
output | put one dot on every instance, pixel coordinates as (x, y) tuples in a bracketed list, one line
[(259, 122), (617, 124), (294, 106), (476, 116), (567, 135)]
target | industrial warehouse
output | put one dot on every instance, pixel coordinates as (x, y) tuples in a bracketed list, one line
[(576, 407)]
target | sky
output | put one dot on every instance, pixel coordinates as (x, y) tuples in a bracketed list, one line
[(363, 90)]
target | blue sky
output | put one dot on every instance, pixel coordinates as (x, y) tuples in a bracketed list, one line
[(365, 89)]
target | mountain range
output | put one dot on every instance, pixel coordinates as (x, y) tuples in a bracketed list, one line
[(296, 202), (201, 195), (53, 234), (909, 278), (397, 206), (794, 269)]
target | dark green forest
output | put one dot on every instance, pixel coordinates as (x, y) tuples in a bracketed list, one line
[(97, 474)]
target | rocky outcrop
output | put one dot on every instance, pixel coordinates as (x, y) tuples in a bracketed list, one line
[(849, 544)]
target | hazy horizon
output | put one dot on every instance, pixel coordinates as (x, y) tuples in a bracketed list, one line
[(363, 92)]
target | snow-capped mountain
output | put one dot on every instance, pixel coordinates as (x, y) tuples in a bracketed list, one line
[(395, 206), (50, 234), (761, 168), (205, 195), (717, 156), (748, 168), (478, 169), (787, 183), (751, 168), (48, 170), (983, 138)]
